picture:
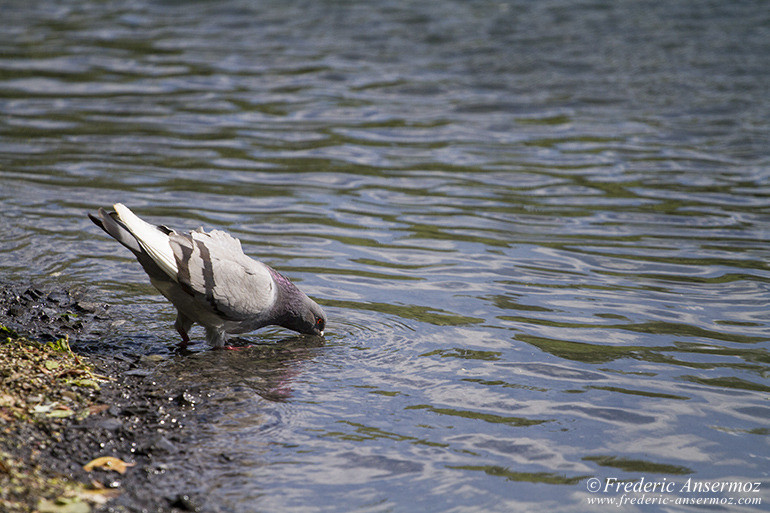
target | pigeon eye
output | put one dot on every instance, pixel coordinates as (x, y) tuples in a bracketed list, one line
[(319, 324)]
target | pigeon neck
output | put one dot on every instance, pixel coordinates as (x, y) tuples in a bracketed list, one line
[(289, 298)]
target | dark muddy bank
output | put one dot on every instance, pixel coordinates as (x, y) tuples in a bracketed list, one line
[(62, 409)]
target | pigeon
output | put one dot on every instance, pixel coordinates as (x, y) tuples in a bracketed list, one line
[(211, 281)]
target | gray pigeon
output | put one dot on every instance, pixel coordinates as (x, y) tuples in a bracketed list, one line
[(211, 281)]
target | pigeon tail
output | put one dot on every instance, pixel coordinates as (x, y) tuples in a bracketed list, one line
[(116, 229), (152, 239)]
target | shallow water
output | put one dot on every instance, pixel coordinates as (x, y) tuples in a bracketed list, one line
[(539, 229)]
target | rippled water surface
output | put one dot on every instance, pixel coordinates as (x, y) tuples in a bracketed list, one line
[(540, 231)]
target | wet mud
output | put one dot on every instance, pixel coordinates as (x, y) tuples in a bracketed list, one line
[(127, 415)]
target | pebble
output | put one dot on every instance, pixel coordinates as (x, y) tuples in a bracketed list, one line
[(184, 502)]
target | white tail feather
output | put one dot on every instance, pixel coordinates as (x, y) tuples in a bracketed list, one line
[(152, 240)]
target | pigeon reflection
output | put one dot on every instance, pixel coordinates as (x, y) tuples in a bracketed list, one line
[(269, 369)]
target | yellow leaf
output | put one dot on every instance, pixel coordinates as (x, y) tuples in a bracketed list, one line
[(108, 463), (63, 505), (84, 382), (60, 413)]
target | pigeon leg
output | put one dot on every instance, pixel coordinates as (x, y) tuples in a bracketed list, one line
[(185, 338), (182, 325)]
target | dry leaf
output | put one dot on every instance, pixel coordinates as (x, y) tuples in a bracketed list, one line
[(108, 463), (98, 408)]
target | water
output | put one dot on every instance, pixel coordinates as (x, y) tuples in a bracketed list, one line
[(539, 229)]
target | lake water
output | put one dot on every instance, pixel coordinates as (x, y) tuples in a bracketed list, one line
[(540, 231)]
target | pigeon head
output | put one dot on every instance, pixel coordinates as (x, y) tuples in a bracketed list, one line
[(310, 320), (295, 311)]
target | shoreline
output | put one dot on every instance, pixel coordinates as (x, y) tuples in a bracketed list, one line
[(61, 411)]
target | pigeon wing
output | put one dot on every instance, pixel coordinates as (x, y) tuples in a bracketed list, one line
[(213, 267)]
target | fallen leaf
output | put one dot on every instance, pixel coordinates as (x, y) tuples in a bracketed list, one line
[(44, 408), (108, 463), (85, 382), (60, 411), (98, 408), (71, 505)]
